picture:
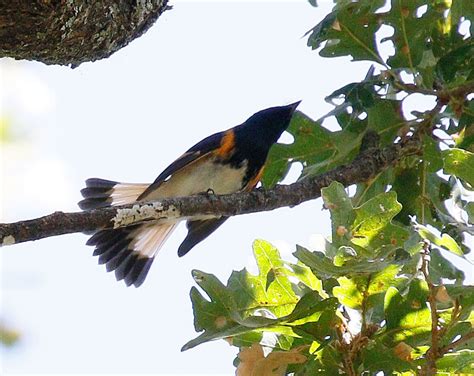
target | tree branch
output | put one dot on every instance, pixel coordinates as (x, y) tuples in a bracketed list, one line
[(443, 94), (433, 354), (366, 165), (73, 32), (461, 341)]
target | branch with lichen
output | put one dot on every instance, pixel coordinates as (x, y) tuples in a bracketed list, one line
[(370, 162)]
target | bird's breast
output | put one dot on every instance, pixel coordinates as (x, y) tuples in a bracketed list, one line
[(204, 174)]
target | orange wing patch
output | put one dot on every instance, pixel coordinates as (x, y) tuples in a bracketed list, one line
[(227, 145), (253, 182)]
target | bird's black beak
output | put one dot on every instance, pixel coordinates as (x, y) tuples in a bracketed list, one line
[(293, 106)]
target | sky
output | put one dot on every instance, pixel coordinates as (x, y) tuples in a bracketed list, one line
[(203, 67)]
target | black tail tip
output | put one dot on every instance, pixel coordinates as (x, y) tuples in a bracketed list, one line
[(96, 193), (100, 183)]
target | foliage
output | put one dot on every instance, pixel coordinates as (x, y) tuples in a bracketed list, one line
[(381, 295), (8, 337)]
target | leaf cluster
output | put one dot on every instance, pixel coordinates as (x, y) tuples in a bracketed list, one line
[(381, 294)]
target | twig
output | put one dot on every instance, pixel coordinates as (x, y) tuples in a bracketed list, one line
[(365, 296), (366, 165), (433, 353), (465, 338), (345, 348), (444, 95)]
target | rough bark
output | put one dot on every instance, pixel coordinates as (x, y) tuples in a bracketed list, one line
[(368, 164), (71, 32)]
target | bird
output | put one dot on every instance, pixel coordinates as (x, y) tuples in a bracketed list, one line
[(225, 162)]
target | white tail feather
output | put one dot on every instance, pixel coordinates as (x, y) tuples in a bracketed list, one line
[(148, 240), (126, 193)]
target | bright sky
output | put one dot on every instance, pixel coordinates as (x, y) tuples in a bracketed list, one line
[(204, 67)]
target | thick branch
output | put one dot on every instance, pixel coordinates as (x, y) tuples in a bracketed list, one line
[(73, 32), (367, 165)]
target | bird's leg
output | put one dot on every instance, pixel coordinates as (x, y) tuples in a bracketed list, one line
[(210, 192)]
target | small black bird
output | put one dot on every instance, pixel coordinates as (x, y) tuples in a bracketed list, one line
[(225, 162)]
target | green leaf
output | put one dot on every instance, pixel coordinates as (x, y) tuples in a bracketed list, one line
[(5, 130), (465, 295), (458, 62), (254, 303), (237, 308), (312, 143), (307, 306), (349, 30), (373, 187), (432, 155), (318, 34), (438, 191), (377, 357), (322, 329), (408, 318), (206, 313), (372, 226), (410, 32), (462, 9), (315, 147), (348, 293), (323, 267), (385, 117), (8, 337), (211, 336), (459, 163), (305, 277), (445, 241), (251, 292), (407, 184), (344, 145), (440, 268), (359, 95), (470, 211), (456, 331), (458, 362), (342, 215), (365, 292)]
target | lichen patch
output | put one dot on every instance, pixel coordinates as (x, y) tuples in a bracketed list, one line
[(141, 212), (8, 240)]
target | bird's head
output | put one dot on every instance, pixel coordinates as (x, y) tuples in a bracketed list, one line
[(270, 123)]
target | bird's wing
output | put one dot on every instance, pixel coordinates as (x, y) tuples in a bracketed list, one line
[(197, 232)]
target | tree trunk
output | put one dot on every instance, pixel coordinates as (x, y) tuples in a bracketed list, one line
[(70, 32)]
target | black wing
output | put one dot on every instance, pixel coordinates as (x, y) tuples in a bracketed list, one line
[(198, 231)]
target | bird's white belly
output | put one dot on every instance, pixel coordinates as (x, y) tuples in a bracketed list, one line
[(201, 177)]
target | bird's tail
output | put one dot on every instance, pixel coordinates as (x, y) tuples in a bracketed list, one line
[(128, 250), (100, 193)]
